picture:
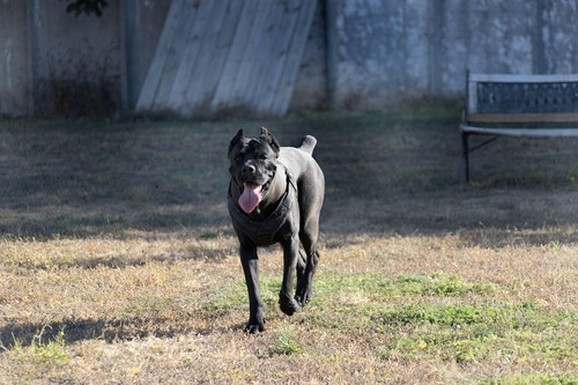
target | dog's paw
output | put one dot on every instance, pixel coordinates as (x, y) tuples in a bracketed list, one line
[(303, 297), (302, 300), (255, 326), (287, 304)]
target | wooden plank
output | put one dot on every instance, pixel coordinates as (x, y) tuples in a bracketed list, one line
[(521, 132), (228, 53), (206, 15), (332, 40), (260, 69), (512, 78), (287, 81), (263, 69), (523, 118), (172, 24), (212, 60), (175, 57), (287, 19), (223, 92), (254, 55)]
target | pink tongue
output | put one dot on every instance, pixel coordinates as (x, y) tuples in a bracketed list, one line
[(250, 198)]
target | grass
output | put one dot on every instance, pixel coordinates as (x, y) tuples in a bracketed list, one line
[(40, 353), (119, 264)]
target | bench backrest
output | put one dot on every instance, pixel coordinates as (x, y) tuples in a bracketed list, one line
[(522, 98)]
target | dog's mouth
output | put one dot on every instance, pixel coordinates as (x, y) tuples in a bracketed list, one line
[(251, 197)]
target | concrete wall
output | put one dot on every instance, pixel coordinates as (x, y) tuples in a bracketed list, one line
[(14, 74), (360, 54), (311, 90), (76, 61), (55, 64), (386, 52)]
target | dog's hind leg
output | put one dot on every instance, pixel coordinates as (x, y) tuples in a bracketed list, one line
[(309, 237), (301, 276)]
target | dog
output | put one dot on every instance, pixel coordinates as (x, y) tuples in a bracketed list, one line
[(275, 196)]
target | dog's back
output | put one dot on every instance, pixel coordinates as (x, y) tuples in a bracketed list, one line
[(299, 160), (309, 177)]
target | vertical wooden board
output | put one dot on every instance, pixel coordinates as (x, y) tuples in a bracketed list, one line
[(254, 53), (284, 26), (174, 58), (155, 72), (212, 60), (228, 53), (223, 91), (206, 18), (282, 96), (262, 68)]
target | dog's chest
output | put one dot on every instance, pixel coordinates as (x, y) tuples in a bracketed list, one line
[(263, 231)]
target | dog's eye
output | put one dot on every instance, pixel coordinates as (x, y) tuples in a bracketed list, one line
[(263, 157)]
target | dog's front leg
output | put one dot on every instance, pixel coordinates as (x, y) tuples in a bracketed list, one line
[(290, 257), (250, 262)]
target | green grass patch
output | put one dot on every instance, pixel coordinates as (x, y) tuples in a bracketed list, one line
[(439, 324), (374, 285), (51, 353), (287, 343), (468, 333), (358, 300), (228, 298)]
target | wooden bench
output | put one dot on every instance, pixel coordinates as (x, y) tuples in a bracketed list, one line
[(519, 106)]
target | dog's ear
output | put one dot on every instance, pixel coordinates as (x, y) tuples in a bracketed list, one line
[(268, 138), (236, 139)]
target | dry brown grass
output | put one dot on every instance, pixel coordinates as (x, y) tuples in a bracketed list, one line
[(119, 265)]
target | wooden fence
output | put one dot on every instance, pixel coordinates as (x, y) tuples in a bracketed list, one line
[(216, 55)]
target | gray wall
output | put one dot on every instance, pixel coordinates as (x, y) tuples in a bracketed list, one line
[(385, 52), (76, 62), (360, 54), (14, 74), (55, 64)]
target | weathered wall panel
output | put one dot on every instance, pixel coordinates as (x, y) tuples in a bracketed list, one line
[(311, 88), (76, 62), (379, 53), (14, 70), (390, 51), (251, 48), (143, 22), (559, 33)]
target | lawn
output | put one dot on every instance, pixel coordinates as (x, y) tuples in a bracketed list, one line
[(119, 264)]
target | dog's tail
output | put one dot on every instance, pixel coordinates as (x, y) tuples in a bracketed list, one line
[(308, 144)]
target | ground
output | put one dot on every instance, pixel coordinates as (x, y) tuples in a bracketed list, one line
[(119, 264)]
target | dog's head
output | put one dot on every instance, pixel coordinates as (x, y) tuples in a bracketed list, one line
[(253, 166)]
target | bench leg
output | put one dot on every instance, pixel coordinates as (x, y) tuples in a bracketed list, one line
[(466, 157)]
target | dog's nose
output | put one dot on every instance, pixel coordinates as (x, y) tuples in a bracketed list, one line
[(249, 169)]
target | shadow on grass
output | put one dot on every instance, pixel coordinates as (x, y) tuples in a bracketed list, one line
[(385, 173), (86, 178), (91, 220), (76, 330), (121, 262)]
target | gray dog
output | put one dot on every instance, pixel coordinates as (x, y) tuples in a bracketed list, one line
[(275, 196)]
